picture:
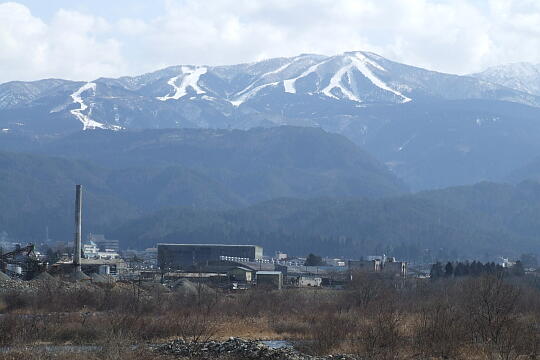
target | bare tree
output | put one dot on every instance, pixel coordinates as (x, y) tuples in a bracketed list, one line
[(328, 330), (490, 305), (440, 332), (381, 337)]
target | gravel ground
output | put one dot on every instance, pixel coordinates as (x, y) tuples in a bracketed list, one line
[(237, 349)]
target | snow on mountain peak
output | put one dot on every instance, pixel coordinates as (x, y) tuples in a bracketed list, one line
[(190, 78), (254, 88), (520, 76), (336, 83), (342, 79), (272, 91), (290, 84), (361, 62), (514, 69), (80, 114)]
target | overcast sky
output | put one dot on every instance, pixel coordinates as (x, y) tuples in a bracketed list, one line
[(86, 39)]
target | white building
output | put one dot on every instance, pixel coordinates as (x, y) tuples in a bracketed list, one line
[(91, 251), (309, 281), (505, 262)]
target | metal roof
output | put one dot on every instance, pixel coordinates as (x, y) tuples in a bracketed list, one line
[(169, 244), (242, 268)]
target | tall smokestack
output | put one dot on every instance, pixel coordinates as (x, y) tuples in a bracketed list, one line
[(78, 214)]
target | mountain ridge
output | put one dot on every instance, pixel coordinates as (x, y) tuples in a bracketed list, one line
[(521, 76), (431, 129), (484, 220), (217, 96), (150, 170)]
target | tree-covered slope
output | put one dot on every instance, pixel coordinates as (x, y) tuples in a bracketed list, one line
[(140, 172), (259, 164), (38, 192), (470, 221)]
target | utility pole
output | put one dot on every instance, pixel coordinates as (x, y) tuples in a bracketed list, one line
[(78, 228)]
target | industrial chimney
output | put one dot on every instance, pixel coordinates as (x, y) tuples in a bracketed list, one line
[(78, 215)]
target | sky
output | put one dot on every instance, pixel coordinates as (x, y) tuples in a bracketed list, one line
[(87, 39)]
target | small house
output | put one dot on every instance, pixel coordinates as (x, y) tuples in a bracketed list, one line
[(241, 274), (365, 265), (269, 279), (309, 281)]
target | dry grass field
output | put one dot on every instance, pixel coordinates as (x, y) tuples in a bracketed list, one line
[(486, 317)]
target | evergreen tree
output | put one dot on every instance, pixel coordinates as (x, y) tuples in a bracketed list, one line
[(460, 269), (449, 270), (436, 271), (476, 268), (517, 269), (529, 260), (313, 260)]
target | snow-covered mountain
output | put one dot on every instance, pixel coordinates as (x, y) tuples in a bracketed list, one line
[(432, 129), (521, 76), (297, 90)]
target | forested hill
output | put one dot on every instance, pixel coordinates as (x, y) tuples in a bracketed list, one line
[(128, 174), (292, 189), (530, 171), (471, 221), (261, 164)]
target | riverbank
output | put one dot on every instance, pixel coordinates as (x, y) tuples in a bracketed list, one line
[(373, 317), (232, 348), (236, 348)]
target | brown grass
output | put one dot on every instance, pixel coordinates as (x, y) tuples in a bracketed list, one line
[(393, 320), (124, 354)]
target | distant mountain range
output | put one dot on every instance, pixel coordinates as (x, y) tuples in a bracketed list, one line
[(309, 153), (297, 90), (518, 76), (296, 189), (431, 129), (293, 189)]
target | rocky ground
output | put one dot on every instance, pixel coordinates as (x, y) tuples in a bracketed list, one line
[(235, 348)]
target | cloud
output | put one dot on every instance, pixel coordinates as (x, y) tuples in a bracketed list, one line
[(72, 45), (453, 36)]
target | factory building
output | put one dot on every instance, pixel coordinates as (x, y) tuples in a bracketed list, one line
[(113, 267), (240, 273), (104, 244), (394, 267), (178, 256), (380, 264), (374, 265), (269, 279)]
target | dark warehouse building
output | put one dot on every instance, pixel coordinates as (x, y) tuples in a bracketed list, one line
[(176, 256)]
